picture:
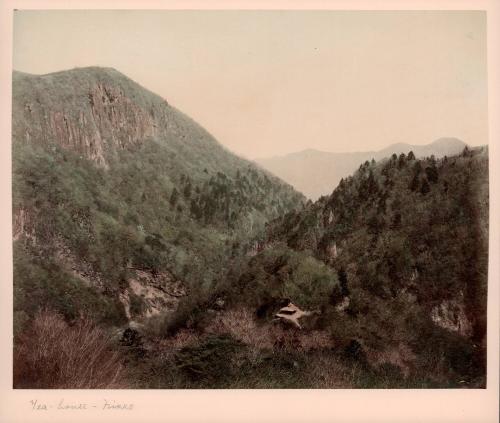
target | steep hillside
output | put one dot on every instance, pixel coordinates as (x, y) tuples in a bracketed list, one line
[(123, 205), (408, 240), (316, 173)]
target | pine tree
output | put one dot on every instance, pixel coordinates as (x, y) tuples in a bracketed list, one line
[(373, 225), (417, 168), (195, 209), (425, 188), (432, 174), (187, 189), (174, 197), (372, 184), (415, 182), (401, 160), (342, 275)]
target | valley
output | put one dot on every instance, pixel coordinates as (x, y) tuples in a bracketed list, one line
[(167, 260)]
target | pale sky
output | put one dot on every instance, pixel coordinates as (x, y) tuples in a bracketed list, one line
[(268, 83)]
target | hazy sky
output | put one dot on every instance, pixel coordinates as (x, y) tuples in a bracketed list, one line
[(268, 83)]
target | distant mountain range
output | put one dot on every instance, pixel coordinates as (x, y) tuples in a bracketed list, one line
[(316, 173)]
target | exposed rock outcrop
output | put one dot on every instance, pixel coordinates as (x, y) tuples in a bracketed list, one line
[(77, 267), (451, 315), (98, 114), (22, 225), (158, 293)]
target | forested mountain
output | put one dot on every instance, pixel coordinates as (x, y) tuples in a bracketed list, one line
[(316, 173), (408, 239), (391, 269), (145, 248), (121, 203)]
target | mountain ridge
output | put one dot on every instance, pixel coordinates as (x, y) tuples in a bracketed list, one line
[(390, 148), (316, 173)]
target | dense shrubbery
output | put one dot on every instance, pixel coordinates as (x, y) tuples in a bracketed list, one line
[(41, 283), (280, 273), (210, 361)]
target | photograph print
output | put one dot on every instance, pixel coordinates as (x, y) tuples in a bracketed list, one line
[(249, 199)]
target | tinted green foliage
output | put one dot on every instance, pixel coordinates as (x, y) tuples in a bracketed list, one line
[(41, 283), (176, 201), (406, 235), (280, 273), (380, 225), (210, 361), (117, 219)]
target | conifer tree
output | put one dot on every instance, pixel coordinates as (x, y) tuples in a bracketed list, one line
[(415, 182), (401, 160), (342, 275), (174, 197), (425, 188)]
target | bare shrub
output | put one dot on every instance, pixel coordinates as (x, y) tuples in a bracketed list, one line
[(49, 353), (167, 347), (241, 325)]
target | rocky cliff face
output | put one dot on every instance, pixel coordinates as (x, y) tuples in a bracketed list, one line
[(452, 316), (92, 111)]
